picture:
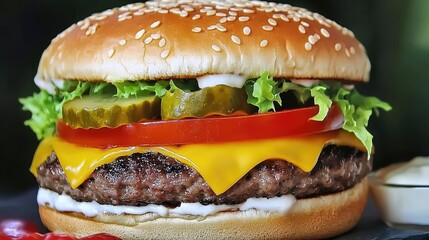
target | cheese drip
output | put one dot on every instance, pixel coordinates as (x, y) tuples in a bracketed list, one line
[(221, 164)]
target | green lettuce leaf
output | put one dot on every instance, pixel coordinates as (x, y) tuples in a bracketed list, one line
[(263, 93), (128, 88), (357, 109), (322, 100), (43, 107)]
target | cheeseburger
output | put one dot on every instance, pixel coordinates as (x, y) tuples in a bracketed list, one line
[(202, 120)]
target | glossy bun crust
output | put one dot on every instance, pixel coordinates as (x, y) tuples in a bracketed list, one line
[(168, 39), (313, 218)]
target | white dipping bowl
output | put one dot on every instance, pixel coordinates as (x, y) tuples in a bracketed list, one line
[(400, 205)]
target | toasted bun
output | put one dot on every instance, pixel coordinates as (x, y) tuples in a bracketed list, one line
[(164, 40), (313, 218)]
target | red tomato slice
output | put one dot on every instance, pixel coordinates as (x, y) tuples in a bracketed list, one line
[(205, 130)]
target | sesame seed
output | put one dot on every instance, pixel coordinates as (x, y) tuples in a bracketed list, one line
[(267, 28), (220, 14), (165, 53), (175, 10), (311, 39), (109, 12), (163, 11), (284, 18), (155, 24), (136, 6), (80, 23), (148, 40), (243, 18), (184, 13), (92, 29), (155, 36), (272, 22), (111, 53), (188, 9), (223, 20), (196, 16), (84, 24), (221, 28), (247, 31), (162, 42), (263, 43), (296, 19), (124, 18), (211, 12), (347, 52), (232, 13), (122, 42), (305, 24), (123, 9), (124, 15), (216, 48), (221, 7), (211, 27), (235, 39), (308, 46), (196, 29), (337, 47), (325, 32), (246, 10), (139, 34), (301, 29), (317, 36), (138, 13), (100, 17), (231, 18), (352, 50)]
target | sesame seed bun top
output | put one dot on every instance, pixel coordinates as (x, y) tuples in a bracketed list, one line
[(181, 39)]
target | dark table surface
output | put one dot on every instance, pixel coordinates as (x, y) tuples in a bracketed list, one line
[(371, 226)]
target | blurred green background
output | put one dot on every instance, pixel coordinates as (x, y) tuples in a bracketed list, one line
[(395, 33)]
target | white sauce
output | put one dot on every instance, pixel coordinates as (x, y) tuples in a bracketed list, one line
[(349, 86), (405, 204), (45, 85), (49, 86), (231, 80), (305, 82), (65, 203), (414, 172)]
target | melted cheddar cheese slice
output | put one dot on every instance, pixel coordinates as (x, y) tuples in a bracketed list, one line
[(221, 165)]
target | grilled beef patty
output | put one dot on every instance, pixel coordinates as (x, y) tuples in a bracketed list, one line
[(153, 178)]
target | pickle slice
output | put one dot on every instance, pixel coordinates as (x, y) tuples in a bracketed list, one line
[(218, 100), (107, 111)]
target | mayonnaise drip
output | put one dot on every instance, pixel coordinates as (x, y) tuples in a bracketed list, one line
[(230, 80), (90, 209), (305, 82), (49, 86)]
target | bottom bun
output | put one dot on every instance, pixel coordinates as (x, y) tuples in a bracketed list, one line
[(313, 218)]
